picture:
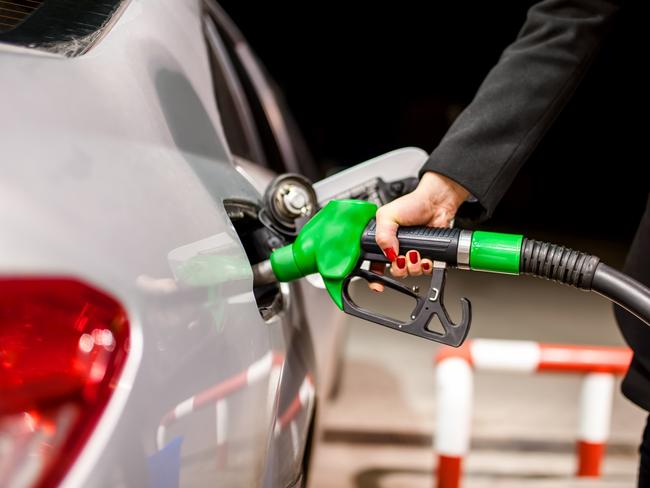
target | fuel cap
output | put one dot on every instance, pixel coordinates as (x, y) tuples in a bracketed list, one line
[(289, 198)]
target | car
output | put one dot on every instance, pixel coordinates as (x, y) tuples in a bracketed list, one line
[(134, 349), (138, 140)]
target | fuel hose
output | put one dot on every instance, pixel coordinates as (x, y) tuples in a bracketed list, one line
[(515, 254)]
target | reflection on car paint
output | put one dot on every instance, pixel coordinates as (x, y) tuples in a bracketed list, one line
[(302, 401), (209, 261), (268, 365), (222, 432)]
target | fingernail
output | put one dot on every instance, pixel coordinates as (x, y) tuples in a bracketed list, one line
[(390, 254), (401, 262), (413, 257), (426, 266)]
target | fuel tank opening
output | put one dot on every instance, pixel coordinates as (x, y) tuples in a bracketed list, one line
[(259, 242)]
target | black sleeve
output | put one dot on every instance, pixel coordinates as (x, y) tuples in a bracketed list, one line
[(521, 96)]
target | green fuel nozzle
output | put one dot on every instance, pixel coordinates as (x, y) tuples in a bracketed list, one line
[(328, 244), (341, 237)]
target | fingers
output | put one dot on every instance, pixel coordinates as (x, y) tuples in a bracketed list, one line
[(411, 265), (377, 268), (376, 287), (386, 232), (398, 268), (427, 266)]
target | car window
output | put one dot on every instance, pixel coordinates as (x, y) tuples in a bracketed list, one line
[(277, 134), (236, 116)]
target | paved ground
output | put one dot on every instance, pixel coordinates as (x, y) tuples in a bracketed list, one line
[(377, 431)]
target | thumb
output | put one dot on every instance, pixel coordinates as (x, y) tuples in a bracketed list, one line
[(386, 233)]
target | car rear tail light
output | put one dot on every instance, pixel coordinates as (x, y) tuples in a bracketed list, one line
[(62, 347)]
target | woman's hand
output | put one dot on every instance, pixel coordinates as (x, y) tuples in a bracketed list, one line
[(433, 203)]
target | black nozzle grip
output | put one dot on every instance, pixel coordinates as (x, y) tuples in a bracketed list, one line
[(435, 243)]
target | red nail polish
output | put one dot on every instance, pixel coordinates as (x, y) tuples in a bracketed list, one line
[(413, 257), (401, 262), (390, 254), (426, 266)]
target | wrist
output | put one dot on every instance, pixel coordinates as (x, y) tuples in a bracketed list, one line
[(435, 183)]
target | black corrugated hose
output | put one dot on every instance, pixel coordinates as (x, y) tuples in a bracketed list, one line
[(585, 271)]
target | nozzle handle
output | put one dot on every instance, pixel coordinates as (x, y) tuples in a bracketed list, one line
[(435, 243)]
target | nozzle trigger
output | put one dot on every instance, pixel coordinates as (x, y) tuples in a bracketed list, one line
[(427, 306)]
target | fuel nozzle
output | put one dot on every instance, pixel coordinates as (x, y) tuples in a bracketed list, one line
[(336, 241), (263, 273), (328, 244), (340, 237)]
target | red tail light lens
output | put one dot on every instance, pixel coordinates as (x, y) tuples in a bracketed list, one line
[(62, 347)]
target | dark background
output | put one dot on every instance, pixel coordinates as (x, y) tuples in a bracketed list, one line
[(365, 79)]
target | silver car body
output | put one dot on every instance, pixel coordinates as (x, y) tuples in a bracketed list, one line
[(114, 169)]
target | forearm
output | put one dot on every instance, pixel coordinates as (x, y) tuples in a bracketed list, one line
[(521, 96)]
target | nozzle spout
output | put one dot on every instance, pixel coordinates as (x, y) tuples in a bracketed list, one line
[(263, 273)]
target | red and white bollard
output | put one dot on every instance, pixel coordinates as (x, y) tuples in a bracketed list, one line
[(595, 414), (454, 389)]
